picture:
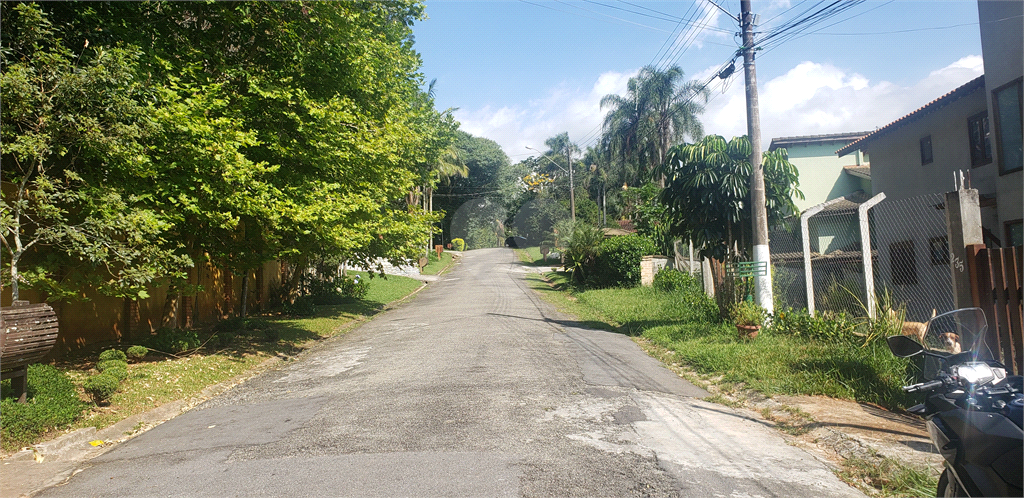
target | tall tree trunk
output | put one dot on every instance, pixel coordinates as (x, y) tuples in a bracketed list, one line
[(245, 293)]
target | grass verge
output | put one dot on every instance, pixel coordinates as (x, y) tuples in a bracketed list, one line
[(887, 477), (159, 379), (772, 364), (436, 265)]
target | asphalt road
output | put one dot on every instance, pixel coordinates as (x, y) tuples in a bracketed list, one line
[(475, 387)]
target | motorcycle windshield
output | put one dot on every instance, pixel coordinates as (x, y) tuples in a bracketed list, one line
[(957, 332)]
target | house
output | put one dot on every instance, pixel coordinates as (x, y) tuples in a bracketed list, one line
[(974, 130), (823, 175)]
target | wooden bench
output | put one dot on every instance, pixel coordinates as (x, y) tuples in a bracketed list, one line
[(27, 333)]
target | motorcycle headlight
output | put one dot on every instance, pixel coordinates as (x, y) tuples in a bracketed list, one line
[(975, 373)]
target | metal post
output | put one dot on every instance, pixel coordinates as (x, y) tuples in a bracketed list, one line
[(865, 252), (805, 236)]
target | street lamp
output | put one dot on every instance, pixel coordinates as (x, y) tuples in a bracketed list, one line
[(572, 188)]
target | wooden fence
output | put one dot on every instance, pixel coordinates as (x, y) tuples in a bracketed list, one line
[(996, 288)]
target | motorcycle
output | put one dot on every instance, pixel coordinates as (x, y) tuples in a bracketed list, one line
[(973, 409)]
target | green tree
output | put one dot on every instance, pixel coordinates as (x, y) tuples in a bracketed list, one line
[(288, 130), (72, 132), (708, 197), (658, 111)]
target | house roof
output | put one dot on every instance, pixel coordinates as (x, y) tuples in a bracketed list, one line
[(957, 94), (816, 139), (859, 170), (850, 202)]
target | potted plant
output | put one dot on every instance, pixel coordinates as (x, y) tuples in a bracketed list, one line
[(749, 318)]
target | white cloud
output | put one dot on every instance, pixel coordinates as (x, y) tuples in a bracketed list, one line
[(813, 99), (577, 111), (809, 99)]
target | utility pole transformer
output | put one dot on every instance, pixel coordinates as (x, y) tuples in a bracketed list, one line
[(759, 215)]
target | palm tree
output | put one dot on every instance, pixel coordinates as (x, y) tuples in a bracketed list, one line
[(658, 111), (561, 145)]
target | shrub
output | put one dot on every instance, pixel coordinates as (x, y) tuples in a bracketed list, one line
[(104, 365), (137, 353), (233, 324), (458, 245), (354, 287), (302, 306), (174, 341), (690, 291), (119, 371), (618, 261), (101, 386), (337, 290), (53, 404), (113, 354), (580, 252), (669, 280), (825, 326)]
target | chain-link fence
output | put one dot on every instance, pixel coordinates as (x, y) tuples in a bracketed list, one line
[(909, 258), (909, 238)]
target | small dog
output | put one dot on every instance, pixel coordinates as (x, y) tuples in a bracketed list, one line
[(951, 341), (914, 330)]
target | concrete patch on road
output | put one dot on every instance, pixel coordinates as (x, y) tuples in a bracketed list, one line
[(724, 450), (327, 364)]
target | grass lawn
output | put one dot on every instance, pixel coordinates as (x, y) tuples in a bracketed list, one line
[(435, 266), (160, 379)]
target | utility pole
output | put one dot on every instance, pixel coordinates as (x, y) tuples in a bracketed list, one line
[(572, 188), (762, 283)]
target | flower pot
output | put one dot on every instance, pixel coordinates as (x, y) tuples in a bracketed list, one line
[(748, 331)]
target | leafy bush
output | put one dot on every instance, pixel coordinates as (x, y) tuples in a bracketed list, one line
[(581, 250), (52, 403), (174, 341), (113, 354), (458, 245), (233, 324), (137, 353), (104, 365), (101, 386), (701, 307), (119, 371), (354, 287), (302, 306), (337, 290), (826, 326), (618, 261)]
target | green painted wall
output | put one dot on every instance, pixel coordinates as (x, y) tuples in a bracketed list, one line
[(821, 172)]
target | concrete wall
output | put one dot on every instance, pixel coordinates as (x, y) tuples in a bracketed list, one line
[(1002, 43), (821, 172)]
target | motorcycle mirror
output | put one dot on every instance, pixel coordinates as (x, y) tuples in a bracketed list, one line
[(903, 346)]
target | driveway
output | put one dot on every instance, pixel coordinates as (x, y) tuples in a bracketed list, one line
[(473, 388)]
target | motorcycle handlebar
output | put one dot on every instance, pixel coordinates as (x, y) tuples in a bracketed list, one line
[(924, 386)]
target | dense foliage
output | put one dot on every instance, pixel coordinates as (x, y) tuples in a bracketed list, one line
[(708, 192), (143, 137), (618, 261)]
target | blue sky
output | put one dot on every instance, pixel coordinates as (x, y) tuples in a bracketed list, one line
[(522, 71)]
